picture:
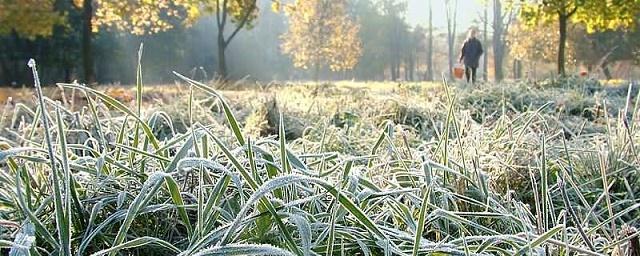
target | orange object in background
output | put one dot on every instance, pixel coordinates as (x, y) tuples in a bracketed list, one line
[(583, 73), (458, 71)]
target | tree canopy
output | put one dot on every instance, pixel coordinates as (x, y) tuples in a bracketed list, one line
[(29, 18), (321, 33), (595, 15)]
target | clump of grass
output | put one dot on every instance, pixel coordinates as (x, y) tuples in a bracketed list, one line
[(365, 188)]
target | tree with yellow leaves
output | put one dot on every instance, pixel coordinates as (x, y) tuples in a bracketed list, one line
[(45, 18), (146, 17), (29, 18), (321, 34), (524, 44), (595, 15), (138, 17)]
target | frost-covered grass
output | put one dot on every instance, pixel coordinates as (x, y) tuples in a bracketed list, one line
[(334, 169)]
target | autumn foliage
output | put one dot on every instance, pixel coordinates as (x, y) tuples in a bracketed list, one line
[(321, 34)]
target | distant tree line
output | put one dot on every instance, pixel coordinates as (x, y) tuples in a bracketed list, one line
[(94, 41)]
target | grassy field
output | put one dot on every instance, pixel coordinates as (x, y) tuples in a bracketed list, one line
[(520, 168)]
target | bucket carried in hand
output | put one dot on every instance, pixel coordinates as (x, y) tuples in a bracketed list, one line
[(458, 71)]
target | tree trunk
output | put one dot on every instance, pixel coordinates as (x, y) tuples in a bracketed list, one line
[(221, 19), (60, 41), (605, 70), (451, 33), (517, 69), (498, 44), (429, 75), (485, 37), (498, 58), (67, 73), (397, 51), (87, 55), (316, 72), (398, 68), (412, 65), (562, 43), (222, 61), (394, 76)]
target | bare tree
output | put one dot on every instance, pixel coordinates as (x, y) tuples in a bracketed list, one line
[(224, 14), (452, 23), (485, 39), (429, 75), (501, 23), (87, 52)]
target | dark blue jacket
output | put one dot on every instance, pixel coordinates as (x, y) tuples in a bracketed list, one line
[(471, 52)]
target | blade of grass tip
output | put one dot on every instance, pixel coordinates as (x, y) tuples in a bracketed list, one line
[(421, 220), (376, 146), (63, 237), (252, 161), (233, 123), (286, 166), (120, 137), (283, 145), (634, 115), (139, 81), (136, 134)]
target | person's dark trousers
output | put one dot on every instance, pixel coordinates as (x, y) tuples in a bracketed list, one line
[(470, 73)]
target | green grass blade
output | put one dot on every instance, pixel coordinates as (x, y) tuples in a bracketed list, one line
[(540, 240), (177, 200), (137, 243), (421, 220), (244, 249), (60, 218)]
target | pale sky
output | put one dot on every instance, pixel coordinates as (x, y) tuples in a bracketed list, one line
[(468, 11)]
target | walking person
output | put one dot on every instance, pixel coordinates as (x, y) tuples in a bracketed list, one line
[(471, 52)]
